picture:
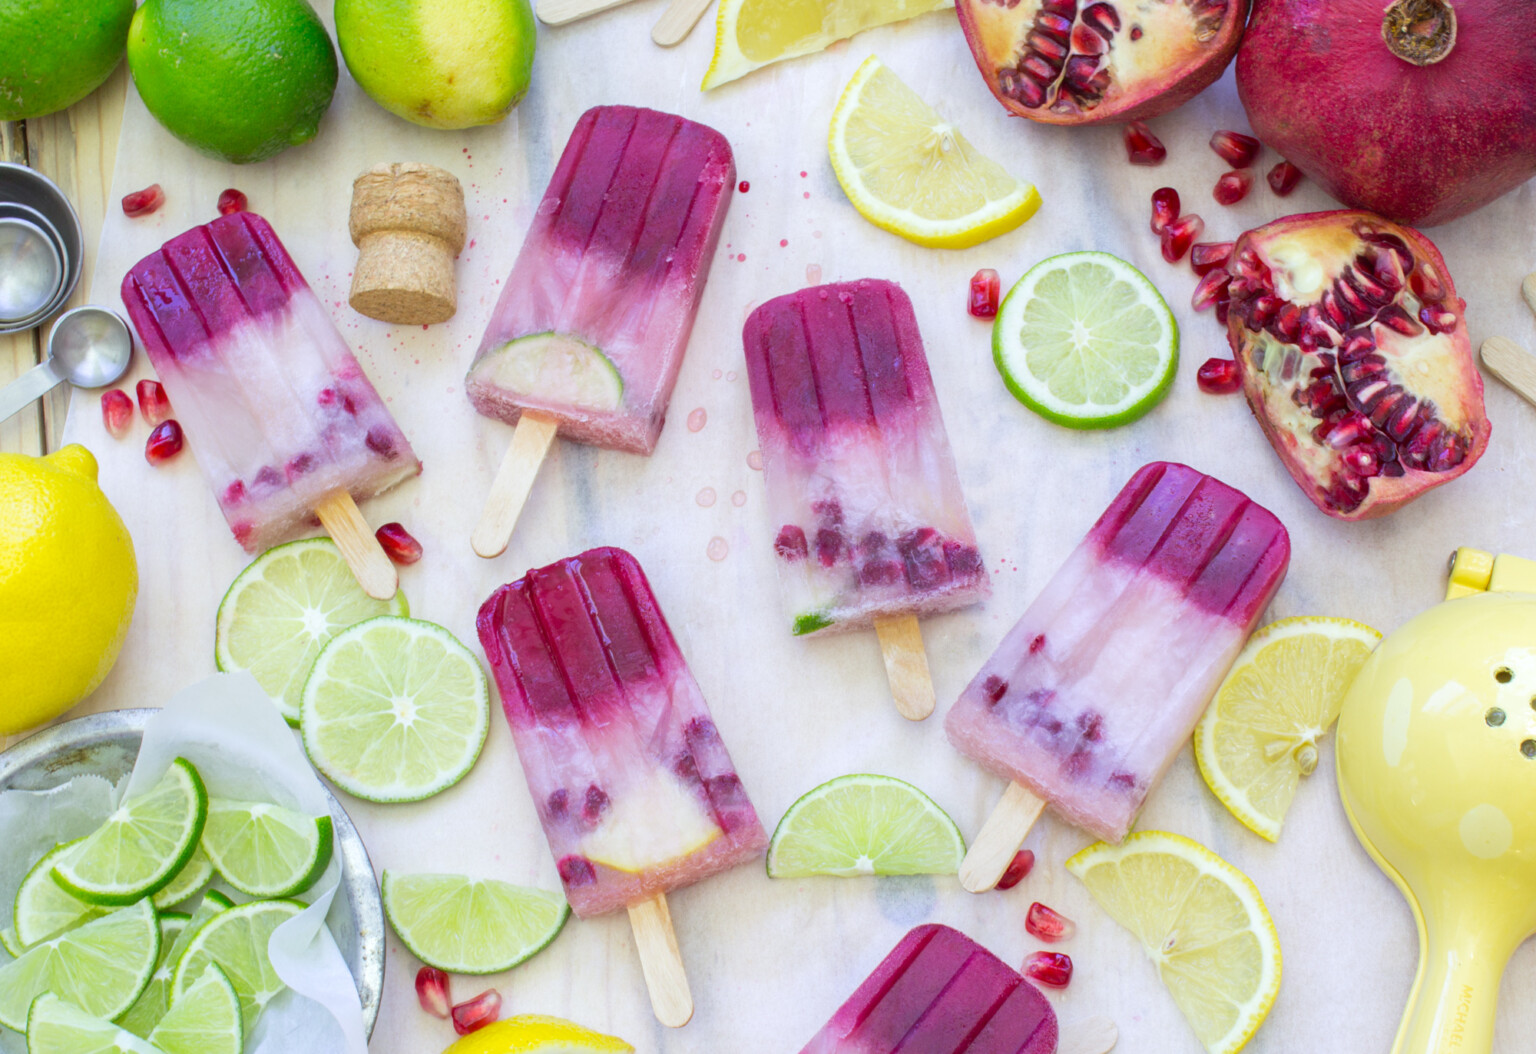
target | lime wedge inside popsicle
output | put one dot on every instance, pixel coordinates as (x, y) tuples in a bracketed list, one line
[(555, 367), (657, 821)]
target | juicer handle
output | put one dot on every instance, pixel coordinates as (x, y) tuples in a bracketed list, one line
[(1451, 1007)]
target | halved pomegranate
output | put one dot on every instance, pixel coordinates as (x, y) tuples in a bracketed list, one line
[(1093, 61), (1354, 356)]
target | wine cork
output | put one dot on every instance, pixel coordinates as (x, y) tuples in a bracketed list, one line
[(408, 225)]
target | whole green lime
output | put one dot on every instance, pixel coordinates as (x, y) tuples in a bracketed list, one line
[(441, 63), (240, 80), (53, 53)]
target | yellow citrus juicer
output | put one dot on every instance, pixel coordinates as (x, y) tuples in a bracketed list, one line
[(1437, 771)]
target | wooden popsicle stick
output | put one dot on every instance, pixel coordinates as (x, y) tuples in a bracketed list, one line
[(344, 522), (520, 467), (1000, 838), (678, 20), (1528, 291), (559, 12), (1095, 1035), (1511, 364), (661, 962), (906, 665)]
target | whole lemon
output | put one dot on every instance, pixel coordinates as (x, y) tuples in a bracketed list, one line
[(68, 580), (57, 52), (440, 63)]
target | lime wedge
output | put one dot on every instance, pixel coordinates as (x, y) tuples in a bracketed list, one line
[(42, 907), (197, 873), (237, 940), (395, 710), (11, 943), (649, 824), (142, 846), (205, 1020), (151, 1005), (553, 367), (466, 926), (100, 967), (282, 609), (266, 851), (1084, 340), (57, 1027), (865, 825)]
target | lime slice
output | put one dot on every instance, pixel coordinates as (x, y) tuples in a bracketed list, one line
[(205, 1020), (43, 909), (1084, 340), (282, 609), (1259, 736), (212, 905), (395, 710), (143, 845), (11, 943), (197, 873), (537, 1034), (553, 367), (912, 173), (1202, 923), (469, 926), (57, 1027), (865, 825), (264, 850), (237, 940), (649, 824), (151, 1005), (100, 967)]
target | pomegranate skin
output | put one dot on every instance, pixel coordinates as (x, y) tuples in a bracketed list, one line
[(1415, 144)]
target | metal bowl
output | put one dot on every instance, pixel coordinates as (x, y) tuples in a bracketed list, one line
[(34, 196), (108, 744)]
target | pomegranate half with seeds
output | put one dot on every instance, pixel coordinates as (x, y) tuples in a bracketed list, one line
[(1354, 356), (1094, 61)]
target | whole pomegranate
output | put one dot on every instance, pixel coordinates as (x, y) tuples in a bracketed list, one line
[(1093, 61), (1353, 351), (1419, 110)]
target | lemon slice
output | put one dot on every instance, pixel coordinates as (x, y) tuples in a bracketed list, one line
[(750, 34), (1259, 736), (865, 825), (912, 173), (649, 824), (536, 1034), (1202, 923)]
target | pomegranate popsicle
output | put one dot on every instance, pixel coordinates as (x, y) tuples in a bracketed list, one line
[(1089, 697), (590, 329), (281, 418), (633, 785), (870, 524)]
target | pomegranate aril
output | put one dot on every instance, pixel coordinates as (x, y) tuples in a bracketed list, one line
[(1362, 460), (1426, 283), (1207, 256), (143, 202), (1052, 969), (1057, 25), (1102, 19), (153, 403), (1235, 148), (1141, 146), (164, 443), (117, 412), (231, 200), (1437, 319), (1165, 208), (1283, 178), (1021, 865), (398, 544), (1085, 41), (1218, 377), (432, 992), (1049, 924), (1180, 235), (478, 1012), (1232, 188), (1211, 289), (985, 288)]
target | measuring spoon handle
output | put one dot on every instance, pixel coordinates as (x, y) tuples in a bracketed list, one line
[(34, 384)]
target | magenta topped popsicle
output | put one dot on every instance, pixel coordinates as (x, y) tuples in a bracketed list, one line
[(278, 413), (939, 992), (1091, 695)]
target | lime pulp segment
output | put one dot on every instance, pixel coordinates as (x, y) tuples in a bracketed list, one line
[(466, 926), (865, 825)]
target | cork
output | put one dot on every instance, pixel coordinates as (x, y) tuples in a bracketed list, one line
[(408, 225)]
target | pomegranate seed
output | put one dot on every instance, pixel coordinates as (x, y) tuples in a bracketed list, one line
[(985, 288), (744, 186), (153, 403), (143, 202), (1053, 969), (1165, 208), (164, 443), (1232, 188), (1235, 148), (1212, 288), (432, 991), (1049, 924), (1141, 146), (117, 412), (480, 1011), (1283, 178), (1218, 377), (231, 201), (1207, 256), (1022, 864), (398, 543), (1180, 235)]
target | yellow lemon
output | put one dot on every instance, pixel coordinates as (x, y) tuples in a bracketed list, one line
[(68, 580), (535, 1034)]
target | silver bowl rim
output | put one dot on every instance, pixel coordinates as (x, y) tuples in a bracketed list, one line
[(64, 223), (356, 868)]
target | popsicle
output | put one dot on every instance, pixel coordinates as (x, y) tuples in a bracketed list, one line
[(590, 329), (1089, 697), (280, 416), (870, 523), (634, 787)]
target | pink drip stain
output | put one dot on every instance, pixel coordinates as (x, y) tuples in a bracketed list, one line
[(739, 498), (755, 460), (705, 497), (731, 376), (717, 549), (741, 257), (803, 175), (696, 420), (807, 195), (783, 242), (813, 274), (717, 375)]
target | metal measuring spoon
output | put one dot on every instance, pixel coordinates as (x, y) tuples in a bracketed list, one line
[(90, 347)]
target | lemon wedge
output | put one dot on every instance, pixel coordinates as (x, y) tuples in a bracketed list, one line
[(909, 171), (1259, 736), (536, 1034), (1202, 923)]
